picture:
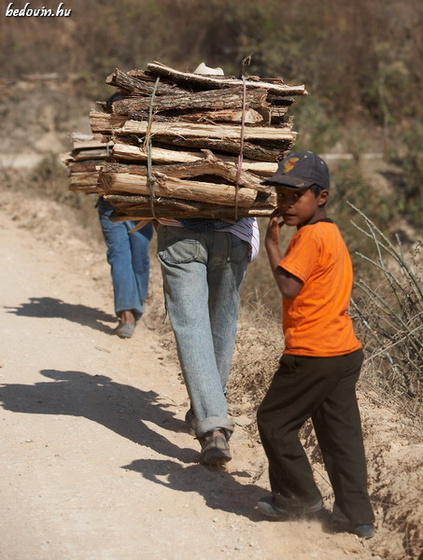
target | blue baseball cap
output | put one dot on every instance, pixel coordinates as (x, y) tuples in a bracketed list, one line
[(301, 170)]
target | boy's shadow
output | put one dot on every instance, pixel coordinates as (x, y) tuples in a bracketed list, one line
[(43, 307), (120, 408)]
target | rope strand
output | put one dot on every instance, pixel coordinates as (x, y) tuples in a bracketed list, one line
[(241, 150), (151, 180)]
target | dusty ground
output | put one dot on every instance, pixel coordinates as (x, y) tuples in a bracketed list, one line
[(96, 462)]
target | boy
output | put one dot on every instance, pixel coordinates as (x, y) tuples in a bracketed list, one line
[(321, 362)]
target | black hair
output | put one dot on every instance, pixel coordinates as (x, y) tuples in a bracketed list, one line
[(316, 189)]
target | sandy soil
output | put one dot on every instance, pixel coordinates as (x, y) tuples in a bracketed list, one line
[(96, 461)]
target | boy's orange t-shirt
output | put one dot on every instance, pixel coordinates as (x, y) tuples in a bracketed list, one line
[(315, 321)]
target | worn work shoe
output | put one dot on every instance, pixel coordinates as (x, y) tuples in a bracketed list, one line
[(215, 451), (125, 330), (363, 531), (191, 421), (269, 506)]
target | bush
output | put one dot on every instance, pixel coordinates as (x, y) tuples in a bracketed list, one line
[(406, 153), (390, 309)]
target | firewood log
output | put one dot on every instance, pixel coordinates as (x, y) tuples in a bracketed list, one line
[(165, 186)]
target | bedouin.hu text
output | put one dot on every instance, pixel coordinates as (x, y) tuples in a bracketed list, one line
[(29, 11)]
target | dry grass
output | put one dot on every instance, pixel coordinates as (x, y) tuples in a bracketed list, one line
[(390, 311), (258, 348)]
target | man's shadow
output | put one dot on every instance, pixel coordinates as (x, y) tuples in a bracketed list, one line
[(220, 489), (43, 307), (126, 411), (120, 408)]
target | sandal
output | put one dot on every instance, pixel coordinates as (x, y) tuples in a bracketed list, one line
[(125, 330)]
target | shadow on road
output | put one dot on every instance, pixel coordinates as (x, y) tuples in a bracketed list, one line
[(220, 490), (121, 408), (43, 307), (125, 410)]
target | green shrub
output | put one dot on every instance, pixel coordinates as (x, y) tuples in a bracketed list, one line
[(406, 153)]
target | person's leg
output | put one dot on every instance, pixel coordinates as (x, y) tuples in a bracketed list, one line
[(183, 259), (228, 261), (338, 428), (119, 257), (140, 242), (296, 389)]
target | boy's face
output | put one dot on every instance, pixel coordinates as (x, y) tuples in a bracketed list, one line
[(299, 207)]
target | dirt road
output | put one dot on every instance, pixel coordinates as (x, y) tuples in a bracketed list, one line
[(96, 463)]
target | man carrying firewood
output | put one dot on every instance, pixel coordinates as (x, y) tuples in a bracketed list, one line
[(203, 264)]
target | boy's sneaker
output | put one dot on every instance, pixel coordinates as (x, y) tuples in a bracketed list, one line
[(215, 451), (269, 506), (363, 531)]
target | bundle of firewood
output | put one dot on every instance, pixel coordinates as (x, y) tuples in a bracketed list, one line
[(85, 161), (179, 144)]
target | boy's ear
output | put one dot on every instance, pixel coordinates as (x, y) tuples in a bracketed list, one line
[(323, 197)]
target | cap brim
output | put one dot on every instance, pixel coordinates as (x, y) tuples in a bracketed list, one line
[(288, 181)]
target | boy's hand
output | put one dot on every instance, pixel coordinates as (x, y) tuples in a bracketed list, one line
[(288, 284), (274, 227)]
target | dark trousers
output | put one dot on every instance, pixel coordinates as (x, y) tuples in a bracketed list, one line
[(322, 389)]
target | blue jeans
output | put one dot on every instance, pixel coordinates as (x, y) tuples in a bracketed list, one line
[(127, 255), (202, 275)]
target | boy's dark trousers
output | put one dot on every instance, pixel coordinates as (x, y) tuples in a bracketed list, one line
[(323, 389)]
